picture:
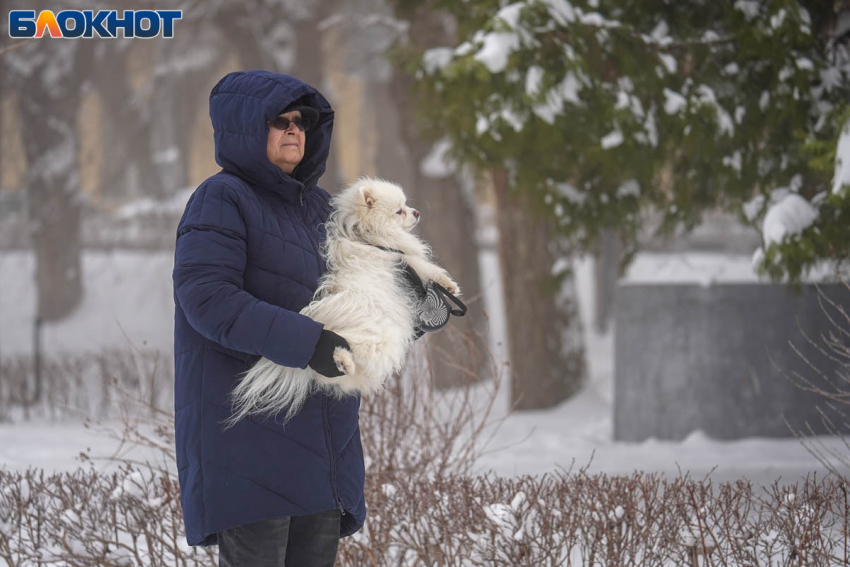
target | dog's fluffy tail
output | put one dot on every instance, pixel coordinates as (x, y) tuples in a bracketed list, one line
[(268, 388)]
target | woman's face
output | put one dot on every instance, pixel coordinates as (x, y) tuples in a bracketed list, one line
[(285, 148)]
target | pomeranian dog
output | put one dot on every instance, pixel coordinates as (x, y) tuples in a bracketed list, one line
[(362, 297)]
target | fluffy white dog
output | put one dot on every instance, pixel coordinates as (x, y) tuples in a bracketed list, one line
[(362, 296)]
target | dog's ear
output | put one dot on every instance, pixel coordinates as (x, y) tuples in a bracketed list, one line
[(367, 197)]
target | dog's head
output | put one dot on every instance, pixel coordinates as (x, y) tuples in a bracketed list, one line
[(375, 207)]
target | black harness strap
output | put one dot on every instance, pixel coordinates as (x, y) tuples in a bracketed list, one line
[(420, 288)]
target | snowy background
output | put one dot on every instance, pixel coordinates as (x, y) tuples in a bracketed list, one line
[(128, 301), (134, 140)]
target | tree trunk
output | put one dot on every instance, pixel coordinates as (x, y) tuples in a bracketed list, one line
[(126, 128), (457, 354), (606, 271), (543, 325), (52, 85)]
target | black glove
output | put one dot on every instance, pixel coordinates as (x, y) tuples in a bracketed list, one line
[(323, 357)]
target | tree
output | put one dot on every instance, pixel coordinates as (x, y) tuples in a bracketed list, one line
[(51, 75), (544, 333), (601, 110)]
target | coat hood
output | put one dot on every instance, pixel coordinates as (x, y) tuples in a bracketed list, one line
[(241, 103)]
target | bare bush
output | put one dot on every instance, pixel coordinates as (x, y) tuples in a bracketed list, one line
[(833, 349), (425, 508), (581, 519), (129, 517), (74, 385), (132, 517)]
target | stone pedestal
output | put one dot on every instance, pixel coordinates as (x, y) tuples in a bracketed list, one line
[(692, 357)]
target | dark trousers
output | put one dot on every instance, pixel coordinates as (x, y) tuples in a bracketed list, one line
[(296, 541)]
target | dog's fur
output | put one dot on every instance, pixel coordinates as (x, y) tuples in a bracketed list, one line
[(361, 296)]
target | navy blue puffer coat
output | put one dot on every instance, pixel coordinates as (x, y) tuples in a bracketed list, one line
[(246, 261)]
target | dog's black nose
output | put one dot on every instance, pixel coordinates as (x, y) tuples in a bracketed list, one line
[(415, 213)]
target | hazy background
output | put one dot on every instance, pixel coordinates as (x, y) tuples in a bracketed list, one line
[(104, 140)]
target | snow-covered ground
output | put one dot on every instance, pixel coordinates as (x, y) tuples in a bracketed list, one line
[(129, 298)]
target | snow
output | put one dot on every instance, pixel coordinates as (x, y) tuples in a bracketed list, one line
[(125, 293), (701, 268), (566, 90), (580, 431), (561, 11), (830, 78), (710, 36), (764, 100), (673, 101), (629, 187), (612, 140), (753, 207), (660, 31), (570, 193), (625, 100), (55, 446), (778, 18), (750, 8), (733, 161), (510, 13), (437, 58), (651, 128), (668, 61), (55, 162), (740, 111), (464, 49), (842, 161), (705, 95), (134, 289), (482, 124), (195, 58), (533, 79), (805, 63), (147, 205), (689, 268), (168, 155), (515, 120), (791, 215), (497, 47), (436, 164), (597, 20)]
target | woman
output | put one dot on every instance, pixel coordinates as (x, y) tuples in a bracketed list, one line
[(246, 261)]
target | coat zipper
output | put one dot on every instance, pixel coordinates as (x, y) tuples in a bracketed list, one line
[(304, 185), (331, 452), (307, 183)]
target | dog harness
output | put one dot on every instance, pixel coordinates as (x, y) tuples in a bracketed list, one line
[(434, 299)]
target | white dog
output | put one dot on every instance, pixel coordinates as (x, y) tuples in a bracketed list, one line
[(362, 297)]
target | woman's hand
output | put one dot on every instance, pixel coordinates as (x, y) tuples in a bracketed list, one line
[(323, 358)]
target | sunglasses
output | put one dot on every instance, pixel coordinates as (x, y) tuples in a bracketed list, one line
[(282, 123)]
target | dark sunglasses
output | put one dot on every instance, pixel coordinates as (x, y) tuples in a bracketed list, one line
[(282, 123)]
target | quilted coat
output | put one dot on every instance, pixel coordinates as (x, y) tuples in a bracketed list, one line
[(246, 261)]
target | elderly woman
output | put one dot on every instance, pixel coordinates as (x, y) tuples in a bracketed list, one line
[(247, 261)]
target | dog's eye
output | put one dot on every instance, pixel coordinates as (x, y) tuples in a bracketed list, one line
[(400, 211)]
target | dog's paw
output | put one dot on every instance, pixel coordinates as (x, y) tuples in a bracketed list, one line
[(448, 283), (344, 360)]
